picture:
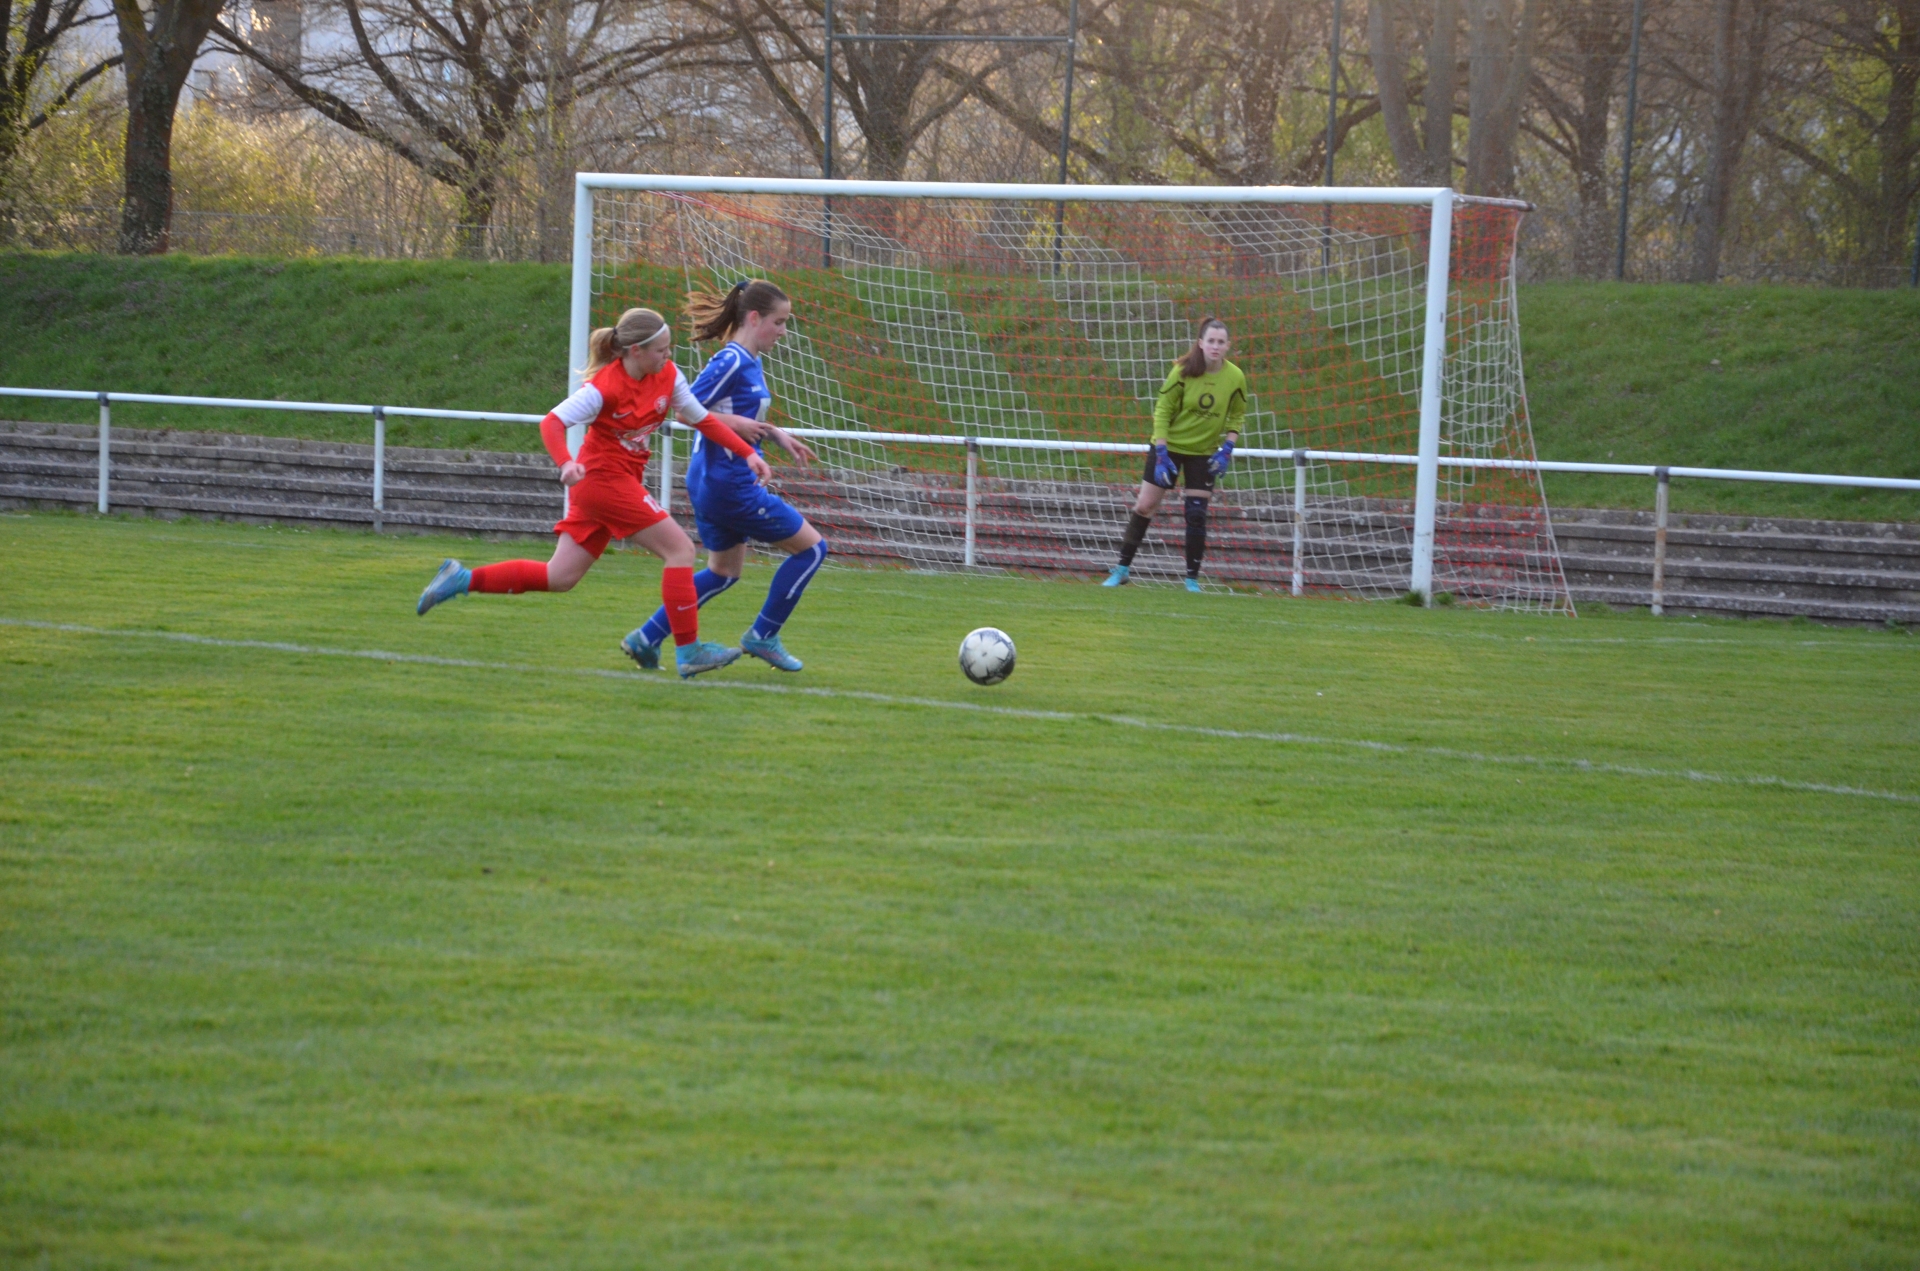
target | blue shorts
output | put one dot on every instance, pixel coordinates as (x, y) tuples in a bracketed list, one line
[(727, 515)]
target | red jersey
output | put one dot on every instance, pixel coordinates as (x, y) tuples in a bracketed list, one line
[(621, 413)]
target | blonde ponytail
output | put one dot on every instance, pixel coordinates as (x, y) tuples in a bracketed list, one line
[(608, 344)]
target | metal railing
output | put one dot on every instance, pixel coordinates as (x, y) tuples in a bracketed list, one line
[(1299, 456)]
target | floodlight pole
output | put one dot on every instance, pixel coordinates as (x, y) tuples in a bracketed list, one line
[(1333, 125), (1066, 130), (1426, 489), (826, 144), (1626, 140)]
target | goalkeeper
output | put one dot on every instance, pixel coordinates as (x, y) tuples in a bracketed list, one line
[(1196, 422)]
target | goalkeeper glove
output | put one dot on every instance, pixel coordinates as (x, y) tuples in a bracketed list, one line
[(1164, 469), (1222, 459)]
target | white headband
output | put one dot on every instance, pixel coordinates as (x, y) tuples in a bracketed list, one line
[(641, 344)]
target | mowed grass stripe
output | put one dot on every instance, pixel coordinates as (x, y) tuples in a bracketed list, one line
[(1488, 683), (1009, 712)]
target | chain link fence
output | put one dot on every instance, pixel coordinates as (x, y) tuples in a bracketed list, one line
[(1554, 245), (97, 229)]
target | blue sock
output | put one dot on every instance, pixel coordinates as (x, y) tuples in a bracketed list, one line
[(706, 585), (789, 581)]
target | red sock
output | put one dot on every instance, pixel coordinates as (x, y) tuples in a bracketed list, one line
[(511, 577), (682, 602)]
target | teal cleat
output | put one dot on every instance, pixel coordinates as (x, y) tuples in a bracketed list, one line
[(1193, 584), (646, 655), (451, 581), (703, 656), (1120, 577), (770, 651)]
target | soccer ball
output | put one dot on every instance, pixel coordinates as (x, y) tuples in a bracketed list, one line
[(986, 655)]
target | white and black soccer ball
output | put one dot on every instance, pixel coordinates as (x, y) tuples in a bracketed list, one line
[(986, 655)]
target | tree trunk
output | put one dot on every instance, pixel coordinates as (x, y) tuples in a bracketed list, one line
[(159, 49), (1600, 42), (1501, 56), (1410, 157), (1899, 146), (1738, 49)]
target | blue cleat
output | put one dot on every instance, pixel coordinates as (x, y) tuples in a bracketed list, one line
[(702, 656), (1193, 584), (770, 651), (451, 581), (646, 655), (1120, 577)]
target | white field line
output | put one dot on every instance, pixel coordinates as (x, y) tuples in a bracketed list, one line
[(1012, 712), (1385, 629)]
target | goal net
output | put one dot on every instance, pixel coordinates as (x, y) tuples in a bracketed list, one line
[(980, 372)]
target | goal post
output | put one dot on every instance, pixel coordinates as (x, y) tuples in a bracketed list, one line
[(1018, 334)]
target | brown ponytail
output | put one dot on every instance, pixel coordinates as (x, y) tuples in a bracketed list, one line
[(1194, 364), (715, 317), (609, 344)]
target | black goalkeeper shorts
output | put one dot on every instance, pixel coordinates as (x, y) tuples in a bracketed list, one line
[(1194, 472)]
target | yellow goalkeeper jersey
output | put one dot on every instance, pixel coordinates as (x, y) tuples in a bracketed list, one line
[(1191, 415)]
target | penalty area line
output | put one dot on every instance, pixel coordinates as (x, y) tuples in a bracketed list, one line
[(1540, 762)]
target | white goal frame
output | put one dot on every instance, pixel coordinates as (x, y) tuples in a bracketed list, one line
[(1439, 262)]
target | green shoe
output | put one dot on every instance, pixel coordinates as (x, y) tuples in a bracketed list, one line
[(702, 656)]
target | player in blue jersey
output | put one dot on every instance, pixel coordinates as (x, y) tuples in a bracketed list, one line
[(730, 505)]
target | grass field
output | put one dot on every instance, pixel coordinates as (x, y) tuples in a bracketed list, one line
[(1230, 932), (1793, 378)]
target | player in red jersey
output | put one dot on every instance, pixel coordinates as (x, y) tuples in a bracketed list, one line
[(630, 387)]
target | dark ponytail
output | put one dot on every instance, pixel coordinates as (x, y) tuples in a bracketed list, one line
[(1194, 364), (715, 317)]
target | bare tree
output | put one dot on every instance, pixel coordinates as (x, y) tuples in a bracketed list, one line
[(1862, 137), (1739, 33), (1500, 69), (30, 36), (1500, 54), (158, 46), (451, 86), (1422, 157), (1582, 47), (1213, 78), (1201, 87), (895, 91)]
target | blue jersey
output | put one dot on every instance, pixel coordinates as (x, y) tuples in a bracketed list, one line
[(733, 384)]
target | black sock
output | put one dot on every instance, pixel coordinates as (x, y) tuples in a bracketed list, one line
[(1196, 535), (1131, 540)]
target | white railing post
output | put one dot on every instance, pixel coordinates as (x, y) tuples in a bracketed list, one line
[(1661, 480), (106, 448), (666, 468), (1433, 366), (973, 496), (379, 465), (1299, 522)]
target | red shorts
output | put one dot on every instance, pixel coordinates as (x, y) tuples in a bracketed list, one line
[(601, 508)]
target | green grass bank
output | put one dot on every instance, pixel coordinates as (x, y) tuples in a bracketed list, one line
[(1802, 379)]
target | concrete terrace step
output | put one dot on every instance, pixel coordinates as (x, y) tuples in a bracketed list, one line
[(1834, 571)]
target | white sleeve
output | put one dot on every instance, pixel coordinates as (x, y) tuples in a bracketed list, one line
[(580, 408), (685, 404)]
